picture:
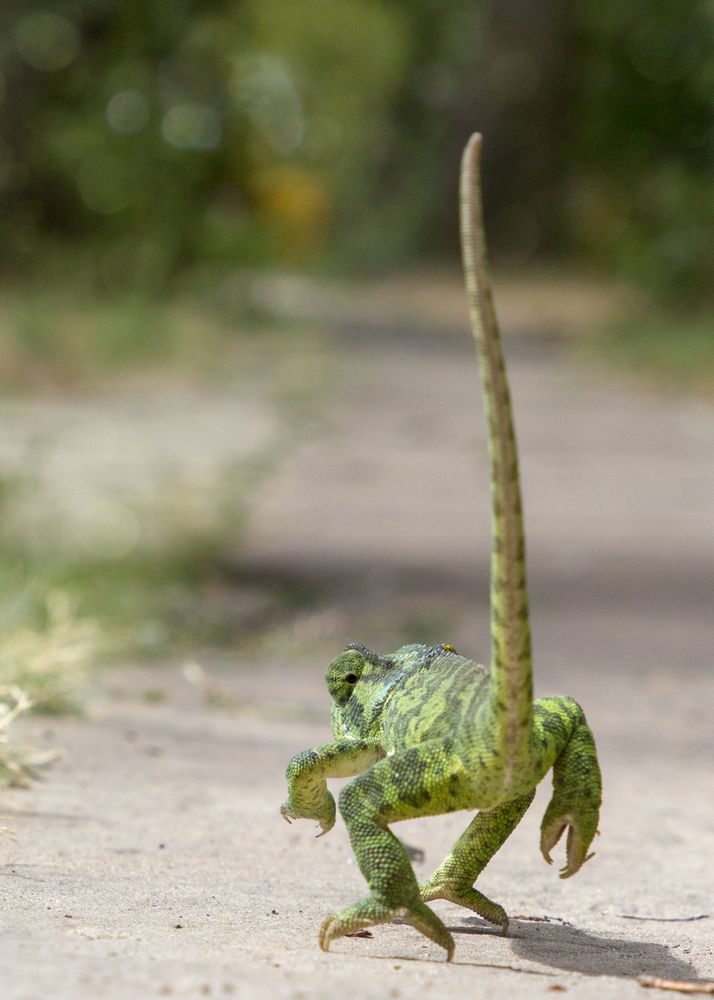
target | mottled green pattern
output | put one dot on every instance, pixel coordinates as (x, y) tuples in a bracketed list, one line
[(427, 731)]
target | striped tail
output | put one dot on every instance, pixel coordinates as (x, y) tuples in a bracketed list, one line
[(511, 673)]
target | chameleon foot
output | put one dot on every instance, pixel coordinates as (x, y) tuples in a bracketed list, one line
[(577, 792), (370, 911), (466, 896), (575, 851), (323, 812)]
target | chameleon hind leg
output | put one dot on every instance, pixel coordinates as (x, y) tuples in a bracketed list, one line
[(421, 781), (563, 737), (455, 876)]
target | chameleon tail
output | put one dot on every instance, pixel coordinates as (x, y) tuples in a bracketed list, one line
[(511, 674)]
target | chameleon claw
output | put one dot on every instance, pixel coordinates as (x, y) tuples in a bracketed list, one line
[(325, 825), (370, 911), (567, 870), (325, 932), (574, 851), (550, 837)]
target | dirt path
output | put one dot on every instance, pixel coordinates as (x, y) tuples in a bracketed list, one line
[(154, 862)]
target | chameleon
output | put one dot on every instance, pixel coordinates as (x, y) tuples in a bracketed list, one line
[(425, 731)]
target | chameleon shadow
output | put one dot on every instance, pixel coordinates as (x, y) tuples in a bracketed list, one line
[(562, 946)]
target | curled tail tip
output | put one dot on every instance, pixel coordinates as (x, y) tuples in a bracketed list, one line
[(473, 146)]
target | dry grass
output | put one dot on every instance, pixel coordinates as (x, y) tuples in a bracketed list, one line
[(43, 667), (49, 662), (17, 766)]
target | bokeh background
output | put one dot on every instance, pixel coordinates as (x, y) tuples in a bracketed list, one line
[(186, 188), (140, 140)]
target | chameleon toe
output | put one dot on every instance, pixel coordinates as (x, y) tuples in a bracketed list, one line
[(370, 911), (550, 836), (426, 921), (575, 850), (469, 898)]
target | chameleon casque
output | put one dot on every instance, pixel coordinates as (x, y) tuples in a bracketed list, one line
[(427, 731)]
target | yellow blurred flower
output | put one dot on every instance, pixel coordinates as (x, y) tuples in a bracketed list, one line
[(297, 206)]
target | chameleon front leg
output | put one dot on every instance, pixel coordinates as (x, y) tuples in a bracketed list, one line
[(308, 797), (421, 781), (455, 876)]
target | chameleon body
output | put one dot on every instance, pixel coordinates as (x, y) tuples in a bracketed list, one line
[(426, 731)]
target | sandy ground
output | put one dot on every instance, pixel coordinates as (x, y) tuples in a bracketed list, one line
[(153, 861)]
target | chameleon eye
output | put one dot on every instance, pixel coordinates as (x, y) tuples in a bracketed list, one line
[(351, 679)]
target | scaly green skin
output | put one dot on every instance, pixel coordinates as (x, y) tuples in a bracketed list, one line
[(428, 731)]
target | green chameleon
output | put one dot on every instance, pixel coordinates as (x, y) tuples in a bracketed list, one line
[(428, 731)]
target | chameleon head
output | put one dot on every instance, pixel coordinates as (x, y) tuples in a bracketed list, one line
[(343, 674)]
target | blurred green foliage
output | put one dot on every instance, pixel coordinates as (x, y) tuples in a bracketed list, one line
[(151, 135), (643, 141), (137, 137), (674, 353)]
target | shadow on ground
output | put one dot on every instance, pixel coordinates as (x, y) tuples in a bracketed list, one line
[(564, 947)]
